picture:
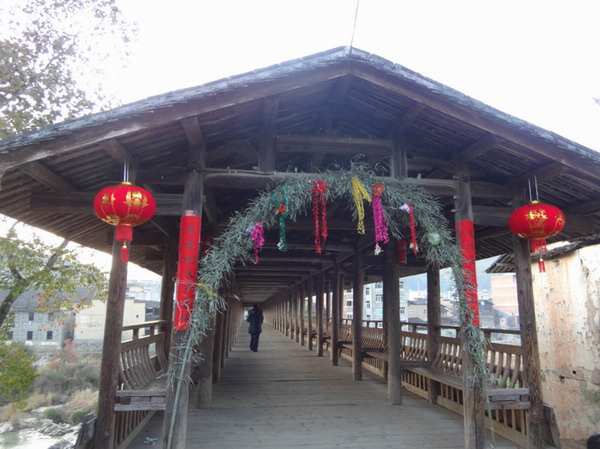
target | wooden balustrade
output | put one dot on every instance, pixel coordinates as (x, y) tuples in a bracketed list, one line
[(508, 391)]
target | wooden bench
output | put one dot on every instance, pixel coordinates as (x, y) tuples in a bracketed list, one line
[(143, 363), (442, 383)]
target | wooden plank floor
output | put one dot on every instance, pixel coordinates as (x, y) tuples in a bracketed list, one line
[(283, 396)]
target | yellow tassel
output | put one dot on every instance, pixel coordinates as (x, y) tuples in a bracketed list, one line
[(360, 194)]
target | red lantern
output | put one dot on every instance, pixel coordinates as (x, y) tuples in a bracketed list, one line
[(124, 206), (536, 222)]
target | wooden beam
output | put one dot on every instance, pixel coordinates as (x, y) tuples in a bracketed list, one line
[(479, 148), (407, 119), (546, 172), (47, 177), (82, 202), (332, 144), (196, 141), (118, 152)]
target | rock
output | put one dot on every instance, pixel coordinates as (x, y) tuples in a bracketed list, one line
[(62, 444), (49, 428), (6, 427)]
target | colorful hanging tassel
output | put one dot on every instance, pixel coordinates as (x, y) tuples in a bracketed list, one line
[(407, 207), (360, 194), (381, 231), (257, 233), (318, 192), (282, 208)]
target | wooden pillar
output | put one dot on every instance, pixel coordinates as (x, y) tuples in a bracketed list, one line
[(433, 322), (301, 290), (309, 318), (391, 300), (319, 313), (294, 298), (357, 311), (286, 312), (291, 305), (175, 417), (204, 371), (218, 347), (167, 290), (111, 352), (536, 426), (398, 163), (473, 404), (335, 314), (329, 295)]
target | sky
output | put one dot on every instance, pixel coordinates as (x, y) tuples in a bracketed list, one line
[(536, 59)]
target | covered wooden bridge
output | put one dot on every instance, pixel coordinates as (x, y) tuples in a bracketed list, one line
[(210, 151)]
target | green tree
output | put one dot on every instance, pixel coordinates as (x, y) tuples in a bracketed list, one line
[(54, 271), (53, 54), (17, 372)]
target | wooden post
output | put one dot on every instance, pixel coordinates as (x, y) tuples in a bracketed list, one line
[(319, 312), (175, 417), (310, 322), (536, 430), (290, 301), (391, 298), (297, 311), (204, 371), (218, 347), (328, 296), (357, 310), (301, 290), (433, 322), (473, 404), (111, 352), (167, 290), (286, 313), (335, 314)]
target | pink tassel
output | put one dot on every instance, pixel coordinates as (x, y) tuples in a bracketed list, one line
[(381, 231)]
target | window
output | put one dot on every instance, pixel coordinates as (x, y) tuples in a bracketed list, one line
[(31, 316), (349, 316), (49, 335), (379, 285), (367, 290), (368, 304), (349, 303), (378, 298), (29, 335), (50, 316), (368, 317)]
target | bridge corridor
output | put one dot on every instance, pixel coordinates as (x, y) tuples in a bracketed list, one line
[(283, 396)]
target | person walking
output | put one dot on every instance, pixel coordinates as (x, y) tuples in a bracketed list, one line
[(255, 318)]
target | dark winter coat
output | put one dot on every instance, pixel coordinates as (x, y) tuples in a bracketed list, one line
[(255, 318)]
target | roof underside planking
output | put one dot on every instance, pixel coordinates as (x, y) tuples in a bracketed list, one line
[(316, 113)]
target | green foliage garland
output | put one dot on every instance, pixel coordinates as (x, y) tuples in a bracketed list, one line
[(235, 245)]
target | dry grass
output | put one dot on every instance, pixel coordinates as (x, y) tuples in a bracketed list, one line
[(10, 413)]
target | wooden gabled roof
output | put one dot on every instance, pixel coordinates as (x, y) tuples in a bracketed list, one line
[(309, 114)]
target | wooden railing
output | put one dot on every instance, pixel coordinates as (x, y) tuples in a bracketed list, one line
[(440, 379), (143, 361)]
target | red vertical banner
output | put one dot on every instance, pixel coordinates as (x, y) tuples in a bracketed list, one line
[(187, 269), (467, 244)]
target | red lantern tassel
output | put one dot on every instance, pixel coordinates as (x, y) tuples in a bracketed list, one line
[(124, 253), (538, 246), (542, 265)]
